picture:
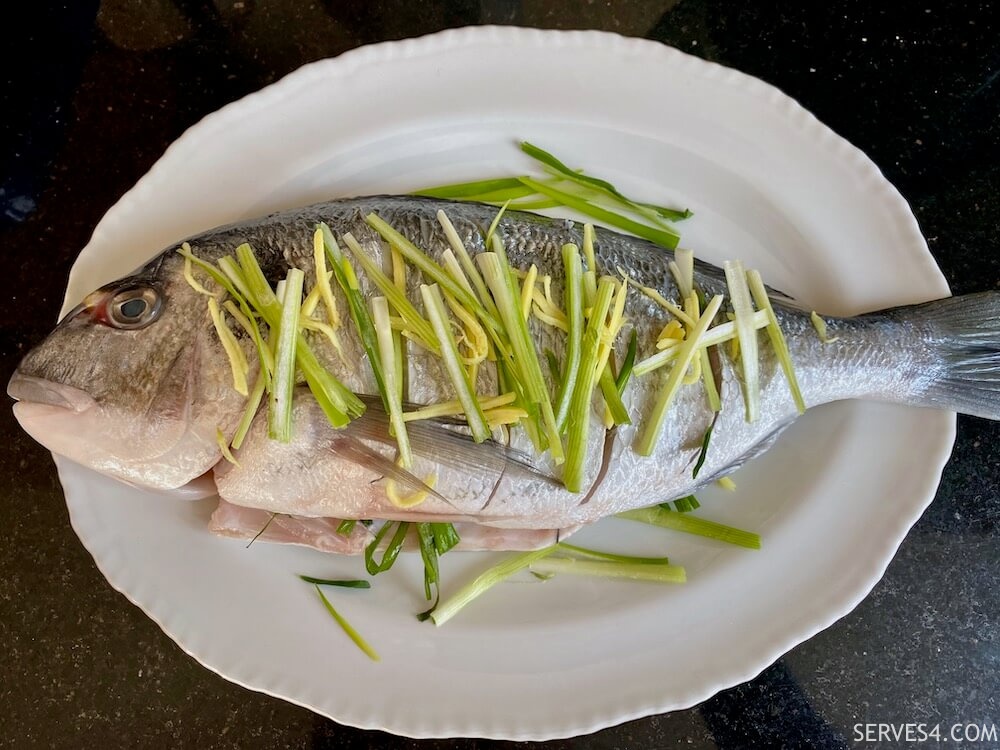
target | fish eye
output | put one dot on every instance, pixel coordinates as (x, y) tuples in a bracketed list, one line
[(133, 307)]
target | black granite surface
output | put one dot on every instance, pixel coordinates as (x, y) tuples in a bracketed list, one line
[(94, 92)]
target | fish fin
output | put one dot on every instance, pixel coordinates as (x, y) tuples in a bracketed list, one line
[(353, 450), (964, 334), (433, 440)]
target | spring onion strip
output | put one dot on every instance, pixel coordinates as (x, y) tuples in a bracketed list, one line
[(555, 370), (391, 551), (613, 399), (345, 527), (502, 285), (598, 568), (237, 278), (578, 419), (249, 324), (528, 290), (663, 237), (693, 525), (708, 375), (703, 453), (590, 275), (249, 411), (234, 352), (458, 247), (453, 267), (473, 334), (349, 583), (684, 504), (454, 408), (685, 266), (610, 556), (429, 555), (654, 214), (434, 307), (323, 280), (335, 399), (535, 205), (485, 581), (716, 335), (216, 275), (774, 333), (430, 269), (746, 334), (387, 354), (347, 628), (574, 301), (685, 353), (279, 425), (396, 297), (463, 190), (189, 272), (628, 364), (820, 325)]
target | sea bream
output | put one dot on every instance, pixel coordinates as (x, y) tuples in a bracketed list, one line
[(135, 382)]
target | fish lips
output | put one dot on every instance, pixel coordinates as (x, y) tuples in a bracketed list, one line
[(31, 391)]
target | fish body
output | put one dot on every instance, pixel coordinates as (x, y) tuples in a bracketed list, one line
[(143, 404)]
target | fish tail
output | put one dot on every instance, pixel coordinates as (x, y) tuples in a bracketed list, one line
[(963, 335)]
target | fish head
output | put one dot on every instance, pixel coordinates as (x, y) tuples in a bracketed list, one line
[(133, 382)]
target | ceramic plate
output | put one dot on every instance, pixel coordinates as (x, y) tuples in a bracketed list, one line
[(768, 183)]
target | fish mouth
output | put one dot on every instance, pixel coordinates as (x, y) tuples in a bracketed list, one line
[(31, 390)]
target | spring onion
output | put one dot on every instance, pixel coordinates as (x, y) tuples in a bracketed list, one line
[(392, 550), (445, 536), (471, 272), (715, 335), (574, 312), (279, 425), (249, 411), (223, 444), (434, 308), (610, 556), (342, 583), (387, 354), (689, 524), (778, 343), (485, 581), (746, 334), (467, 190), (686, 351), (661, 573), (347, 628), (628, 364), (703, 453), (663, 237), (396, 296), (345, 527), (455, 408), (503, 287), (578, 420)]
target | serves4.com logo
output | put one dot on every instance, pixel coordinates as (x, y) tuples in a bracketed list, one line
[(882, 733)]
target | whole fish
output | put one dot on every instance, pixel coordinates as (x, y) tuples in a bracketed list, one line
[(135, 383)]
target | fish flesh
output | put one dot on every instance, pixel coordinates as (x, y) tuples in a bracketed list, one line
[(135, 383)]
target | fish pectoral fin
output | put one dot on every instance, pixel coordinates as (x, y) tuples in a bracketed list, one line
[(440, 443)]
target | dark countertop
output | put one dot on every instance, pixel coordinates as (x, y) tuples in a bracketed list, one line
[(93, 97)]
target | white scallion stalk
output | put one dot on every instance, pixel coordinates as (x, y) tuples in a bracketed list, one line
[(435, 309), (466, 261), (746, 333), (485, 581), (759, 292), (590, 275), (280, 405), (685, 354), (501, 284), (249, 411), (387, 353)]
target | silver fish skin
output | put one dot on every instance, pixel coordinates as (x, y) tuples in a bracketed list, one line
[(141, 404)]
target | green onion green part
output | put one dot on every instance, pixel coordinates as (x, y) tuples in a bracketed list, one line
[(347, 628), (346, 526), (393, 390), (573, 295), (391, 551)]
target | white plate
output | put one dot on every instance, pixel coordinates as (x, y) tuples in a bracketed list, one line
[(768, 184)]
